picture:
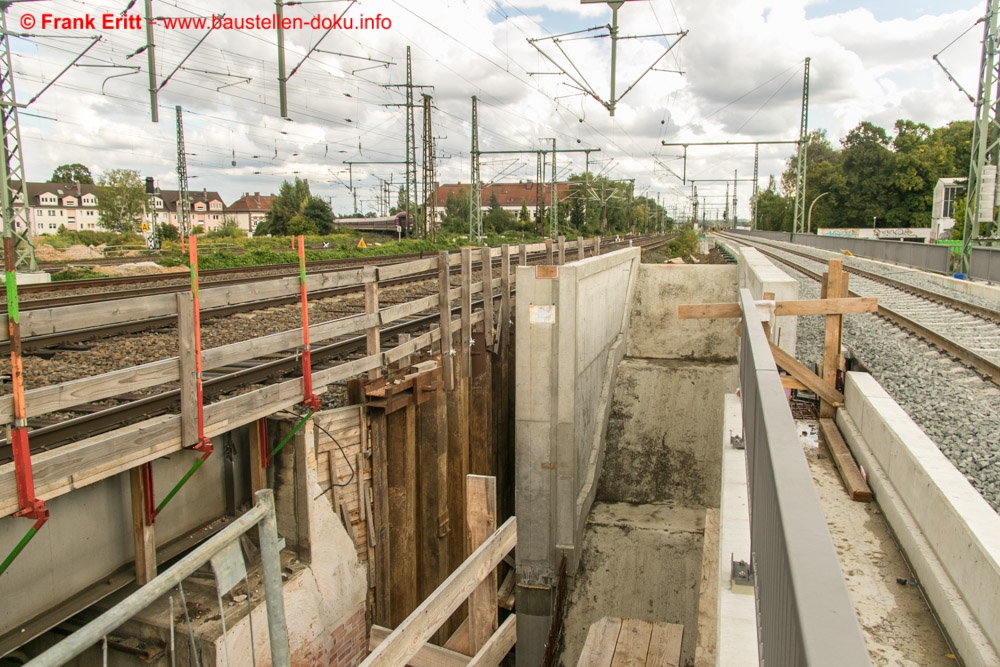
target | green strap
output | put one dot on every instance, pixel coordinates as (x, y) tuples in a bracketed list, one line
[(17, 550), (177, 487), (289, 436)]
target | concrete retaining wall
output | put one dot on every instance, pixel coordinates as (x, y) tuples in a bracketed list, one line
[(655, 332), (570, 339), (759, 275), (950, 533)]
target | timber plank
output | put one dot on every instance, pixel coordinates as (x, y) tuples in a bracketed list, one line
[(487, 263), (428, 655), (481, 522), (380, 517), (633, 643), (599, 648), (665, 646), (855, 483), (708, 601), (466, 309), (401, 474), (393, 271), (815, 384), (839, 306), (498, 646)]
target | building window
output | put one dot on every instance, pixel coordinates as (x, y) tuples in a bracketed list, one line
[(52, 213), (948, 205), (215, 217), (216, 206), (52, 225)]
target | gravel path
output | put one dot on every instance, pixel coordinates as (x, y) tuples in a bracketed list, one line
[(953, 405)]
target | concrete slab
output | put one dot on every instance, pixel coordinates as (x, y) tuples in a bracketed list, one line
[(664, 433), (29, 278), (639, 562)]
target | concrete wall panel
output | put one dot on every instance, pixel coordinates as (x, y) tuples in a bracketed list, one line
[(654, 330)]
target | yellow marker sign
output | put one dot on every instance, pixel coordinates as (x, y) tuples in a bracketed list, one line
[(145, 227), (362, 244)]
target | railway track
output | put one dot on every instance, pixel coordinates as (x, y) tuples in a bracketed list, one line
[(969, 332), (91, 419)]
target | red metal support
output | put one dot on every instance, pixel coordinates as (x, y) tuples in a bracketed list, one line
[(310, 399), (149, 500)]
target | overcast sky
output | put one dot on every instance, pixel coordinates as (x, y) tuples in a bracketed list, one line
[(741, 80)]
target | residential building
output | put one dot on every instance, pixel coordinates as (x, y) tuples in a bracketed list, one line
[(946, 192), (250, 210), (510, 196)]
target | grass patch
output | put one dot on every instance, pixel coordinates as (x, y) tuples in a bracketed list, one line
[(78, 273)]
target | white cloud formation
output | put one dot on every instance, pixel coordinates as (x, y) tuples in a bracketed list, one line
[(742, 81)]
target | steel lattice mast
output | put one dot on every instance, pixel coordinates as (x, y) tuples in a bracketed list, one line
[(15, 219), (430, 191), (981, 192), (475, 184), (411, 143), (798, 223), (183, 203)]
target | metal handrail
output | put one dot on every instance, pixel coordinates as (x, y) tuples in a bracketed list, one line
[(805, 617)]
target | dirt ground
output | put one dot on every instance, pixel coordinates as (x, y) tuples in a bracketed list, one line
[(714, 256), (899, 627)]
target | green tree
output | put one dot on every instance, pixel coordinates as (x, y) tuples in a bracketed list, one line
[(773, 210), (293, 200), (523, 217), (121, 200), (496, 218), (72, 173), (456, 211), (168, 232), (318, 212)]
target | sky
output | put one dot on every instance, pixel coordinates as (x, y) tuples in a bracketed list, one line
[(703, 71)]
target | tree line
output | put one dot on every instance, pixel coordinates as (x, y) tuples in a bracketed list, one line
[(873, 178)]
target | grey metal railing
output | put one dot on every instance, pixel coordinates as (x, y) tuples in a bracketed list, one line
[(260, 515), (805, 617), (985, 264)]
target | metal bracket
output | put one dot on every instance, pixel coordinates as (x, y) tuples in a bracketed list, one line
[(741, 576)]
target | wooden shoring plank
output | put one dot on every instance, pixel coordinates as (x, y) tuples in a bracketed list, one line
[(806, 376), (380, 516), (144, 535), (561, 245), (189, 376), (431, 455), (581, 252), (427, 656), (599, 648), (481, 522), (82, 316), (841, 306), (458, 468), (410, 635), (481, 442), (831, 333), (633, 643), (505, 596), (343, 278), (402, 479), (708, 603), (466, 308), (444, 303), (413, 346), (404, 310), (372, 333), (459, 640), (854, 481), (258, 473), (665, 647), (498, 646), (487, 261), (392, 271), (788, 382), (503, 324)]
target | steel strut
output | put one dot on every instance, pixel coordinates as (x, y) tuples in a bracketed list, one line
[(29, 505)]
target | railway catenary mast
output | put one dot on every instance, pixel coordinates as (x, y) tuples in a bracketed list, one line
[(184, 202), (981, 191), (800, 172)]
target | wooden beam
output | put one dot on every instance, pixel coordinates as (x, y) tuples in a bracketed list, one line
[(503, 324), (402, 478), (855, 483), (487, 261), (788, 382), (380, 516), (843, 306), (144, 535), (580, 250), (561, 241), (189, 376), (832, 332), (599, 648), (708, 601), (466, 309), (373, 341), (258, 476), (428, 655), (665, 647), (404, 642), (633, 643), (549, 259), (814, 383), (498, 646), (481, 521), (444, 303)]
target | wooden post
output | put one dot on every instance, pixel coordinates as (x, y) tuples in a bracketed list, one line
[(562, 250), (480, 442), (466, 308), (188, 370), (522, 255), (581, 251), (832, 333), (402, 492), (503, 325), (144, 534), (487, 273), (432, 510), (458, 467), (373, 341), (481, 522), (548, 252), (444, 290), (597, 246), (380, 517), (258, 477)]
